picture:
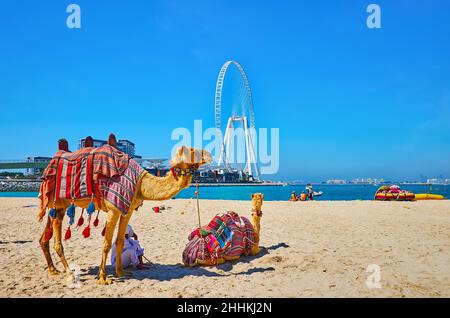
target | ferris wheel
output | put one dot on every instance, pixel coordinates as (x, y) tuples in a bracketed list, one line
[(244, 117)]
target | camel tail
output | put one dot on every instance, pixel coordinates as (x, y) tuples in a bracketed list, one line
[(41, 213), (42, 208)]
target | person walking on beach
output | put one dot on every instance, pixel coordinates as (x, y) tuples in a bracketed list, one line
[(309, 191), (132, 251)]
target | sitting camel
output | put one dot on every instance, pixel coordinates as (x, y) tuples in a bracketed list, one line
[(148, 187), (226, 238)]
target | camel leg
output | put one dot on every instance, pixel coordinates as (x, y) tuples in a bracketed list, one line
[(57, 229), (211, 262), (45, 248), (111, 222), (255, 250), (231, 258), (120, 243)]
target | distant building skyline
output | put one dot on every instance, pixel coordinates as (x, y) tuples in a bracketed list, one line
[(123, 145)]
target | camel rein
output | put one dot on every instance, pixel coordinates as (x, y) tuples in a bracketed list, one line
[(198, 207), (176, 172)]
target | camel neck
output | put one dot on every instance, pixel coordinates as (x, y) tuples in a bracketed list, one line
[(162, 188)]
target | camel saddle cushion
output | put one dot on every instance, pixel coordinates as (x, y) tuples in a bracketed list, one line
[(227, 234), (243, 238), (99, 173)]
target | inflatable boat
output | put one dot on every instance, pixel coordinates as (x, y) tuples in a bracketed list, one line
[(393, 193), (400, 196), (429, 196)]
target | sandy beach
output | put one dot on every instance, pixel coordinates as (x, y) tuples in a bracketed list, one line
[(310, 249)]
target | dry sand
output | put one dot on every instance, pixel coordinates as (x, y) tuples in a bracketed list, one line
[(311, 249)]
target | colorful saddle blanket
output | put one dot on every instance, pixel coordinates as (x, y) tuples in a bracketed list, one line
[(103, 172), (243, 235), (227, 234), (219, 235)]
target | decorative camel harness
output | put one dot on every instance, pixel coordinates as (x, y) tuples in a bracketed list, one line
[(89, 173), (92, 173)]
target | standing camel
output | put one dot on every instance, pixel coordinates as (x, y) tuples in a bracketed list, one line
[(148, 187)]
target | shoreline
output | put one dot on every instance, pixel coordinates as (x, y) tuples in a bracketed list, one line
[(263, 184), (34, 186)]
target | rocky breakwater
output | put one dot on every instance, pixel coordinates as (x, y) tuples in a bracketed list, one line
[(19, 185)]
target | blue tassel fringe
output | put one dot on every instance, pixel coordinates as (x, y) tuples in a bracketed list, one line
[(91, 208), (52, 213), (71, 213)]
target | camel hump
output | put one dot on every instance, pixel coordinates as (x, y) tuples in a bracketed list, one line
[(63, 144), (89, 142), (112, 140)]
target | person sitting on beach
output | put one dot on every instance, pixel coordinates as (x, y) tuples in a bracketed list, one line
[(132, 251), (293, 196), (303, 196)]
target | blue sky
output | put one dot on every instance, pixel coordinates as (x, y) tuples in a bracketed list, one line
[(349, 101)]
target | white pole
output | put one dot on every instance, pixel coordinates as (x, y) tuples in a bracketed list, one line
[(247, 146), (253, 153), (224, 146), (228, 143)]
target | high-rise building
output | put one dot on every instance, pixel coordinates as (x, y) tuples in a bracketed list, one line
[(36, 171), (336, 181), (97, 143), (124, 145), (436, 181)]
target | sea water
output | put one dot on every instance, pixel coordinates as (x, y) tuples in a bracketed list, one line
[(283, 193)]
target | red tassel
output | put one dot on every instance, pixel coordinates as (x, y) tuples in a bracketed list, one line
[(96, 220), (87, 232), (81, 219), (48, 234), (68, 234), (104, 231)]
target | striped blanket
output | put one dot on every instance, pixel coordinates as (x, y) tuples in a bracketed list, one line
[(103, 172), (241, 239), (120, 190), (243, 235)]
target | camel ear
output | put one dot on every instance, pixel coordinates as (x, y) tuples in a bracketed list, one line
[(178, 157), (181, 151), (253, 195)]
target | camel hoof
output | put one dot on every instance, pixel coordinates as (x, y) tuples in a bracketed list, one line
[(104, 281), (123, 273), (255, 251), (53, 271)]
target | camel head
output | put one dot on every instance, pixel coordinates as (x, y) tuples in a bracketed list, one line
[(257, 201), (186, 158)]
